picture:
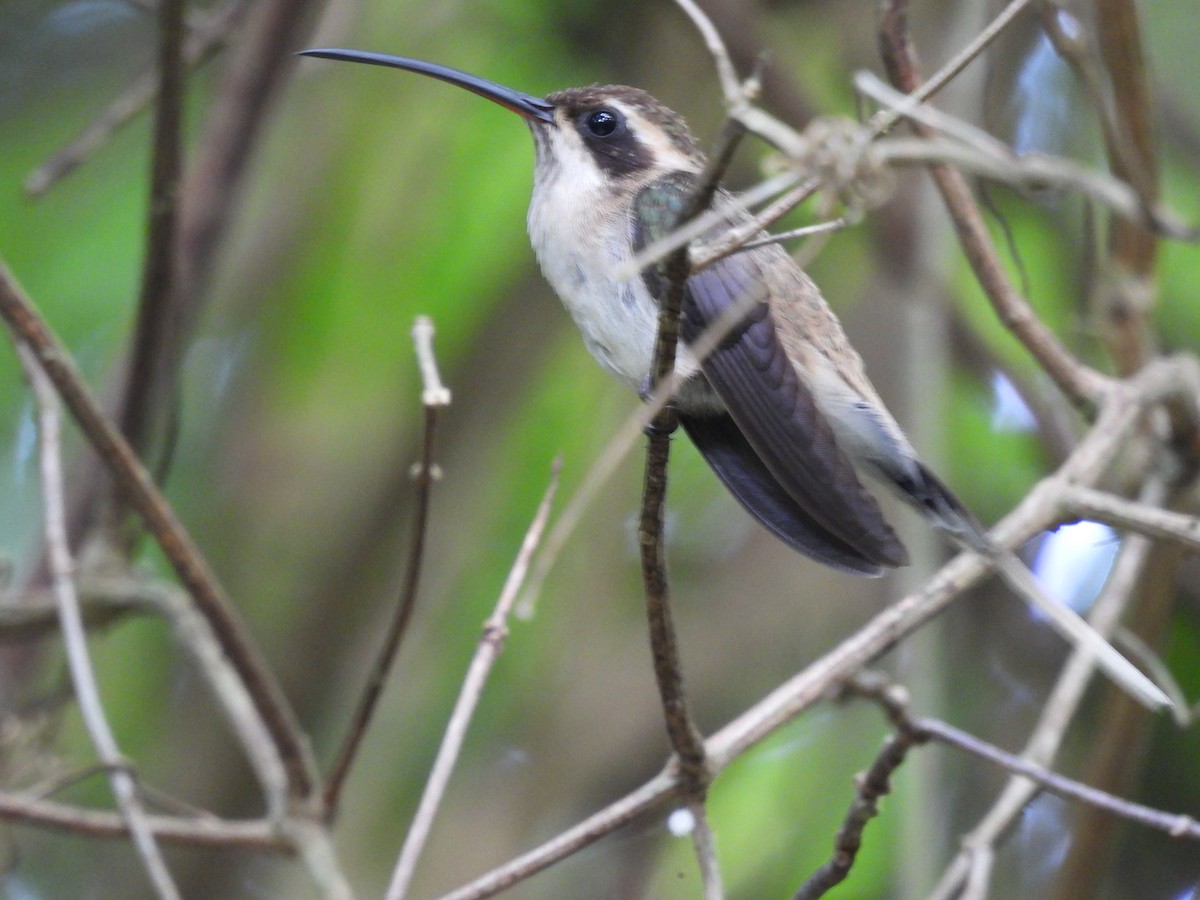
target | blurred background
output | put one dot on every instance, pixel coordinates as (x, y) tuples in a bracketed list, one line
[(374, 196)]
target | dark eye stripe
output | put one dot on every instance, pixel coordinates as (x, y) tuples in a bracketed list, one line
[(614, 146)]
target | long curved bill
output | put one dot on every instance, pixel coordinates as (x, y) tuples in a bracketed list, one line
[(523, 104)]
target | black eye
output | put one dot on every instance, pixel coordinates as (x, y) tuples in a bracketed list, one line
[(602, 122)]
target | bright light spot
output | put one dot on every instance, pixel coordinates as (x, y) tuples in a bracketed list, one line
[(681, 823), (1070, 26), (1073, 562), (1044, 840), (1009, 412), (18, 888), (1042, 99)]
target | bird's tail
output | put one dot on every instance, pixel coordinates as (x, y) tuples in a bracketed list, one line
[(949, 515)]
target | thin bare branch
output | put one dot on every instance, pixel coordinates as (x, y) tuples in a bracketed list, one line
[(870, 787), (663, 787), (1134, 515), (726, 73), (150, 389), (820, 228), (1177, 825), (704, 843), (686, 740), (737, 238), (79, 661), (920, 730), (434, 397), (906, 106), (495, 630), (884, 119), (32, 615), (206, 831)]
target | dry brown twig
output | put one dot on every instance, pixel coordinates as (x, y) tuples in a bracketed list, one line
[(434, 397), (686, 740), (1029, 774)]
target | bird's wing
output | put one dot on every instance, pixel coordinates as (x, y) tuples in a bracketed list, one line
[(770, 404), (734, 461)]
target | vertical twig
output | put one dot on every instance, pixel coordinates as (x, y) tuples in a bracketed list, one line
[(704, 842), (434, 397), (870, 786), (685, 738), (83, 676), (150, 384), (495, 630)]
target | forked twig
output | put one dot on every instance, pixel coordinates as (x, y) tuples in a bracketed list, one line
[(434, 397), (686, 740)]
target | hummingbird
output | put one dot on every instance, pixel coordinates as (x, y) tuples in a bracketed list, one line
[(782, 409)]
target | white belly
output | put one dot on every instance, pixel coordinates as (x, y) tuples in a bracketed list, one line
[(580, 252)]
